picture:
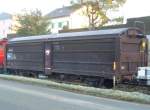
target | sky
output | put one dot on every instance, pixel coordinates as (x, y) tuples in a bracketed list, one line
[(132, 8), (15, 6)]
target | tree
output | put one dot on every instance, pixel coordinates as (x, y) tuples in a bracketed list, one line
[(118, 20), (96, 10), (32, 23)]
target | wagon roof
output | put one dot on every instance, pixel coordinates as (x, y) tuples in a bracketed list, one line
[(72, 35)]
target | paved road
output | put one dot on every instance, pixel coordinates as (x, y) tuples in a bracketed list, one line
[(18, 96)]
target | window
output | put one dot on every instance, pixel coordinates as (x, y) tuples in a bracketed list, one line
[(148, 72), (60, 24), (52, 25), (9, 56), (67, 23)]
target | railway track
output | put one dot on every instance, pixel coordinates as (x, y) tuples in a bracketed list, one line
[(123, 87), (133, 88)]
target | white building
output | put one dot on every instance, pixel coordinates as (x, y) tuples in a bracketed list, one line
[(70, 17), (5, 24)]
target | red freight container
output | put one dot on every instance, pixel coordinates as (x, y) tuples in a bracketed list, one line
[(3, 43)]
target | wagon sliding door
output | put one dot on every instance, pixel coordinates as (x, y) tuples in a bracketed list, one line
[(48, 50)]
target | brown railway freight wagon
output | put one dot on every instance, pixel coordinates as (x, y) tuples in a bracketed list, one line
[(92, 56)]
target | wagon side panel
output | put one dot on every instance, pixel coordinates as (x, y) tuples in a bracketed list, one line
[(84, 57), (25, 56)]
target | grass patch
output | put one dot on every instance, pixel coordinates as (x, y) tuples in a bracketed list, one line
[(107, 93)]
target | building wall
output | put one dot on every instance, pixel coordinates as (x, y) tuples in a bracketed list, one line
[(58, 24), (75, 20), (141, 22), (78, 19), (5, 27)]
